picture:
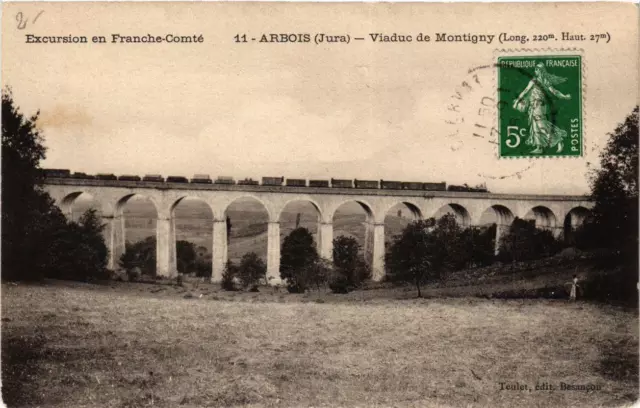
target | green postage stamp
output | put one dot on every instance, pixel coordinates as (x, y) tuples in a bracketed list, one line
[(540, 106)]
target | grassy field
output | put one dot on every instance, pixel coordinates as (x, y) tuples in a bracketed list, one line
[(141, 345)]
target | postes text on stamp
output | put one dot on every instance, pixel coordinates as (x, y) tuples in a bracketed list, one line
[(540, 100)]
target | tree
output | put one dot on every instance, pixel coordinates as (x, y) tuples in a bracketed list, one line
[(349, 266), (428, 249), (614, 188), (345, 252), (186, 256), (91, 228), (252, 269), (37, 240), (613, 223), (413, 256), (22, 150), (524, 242), (479, 246), (38, 251), (26, 209), (297, 254), (448, 251)]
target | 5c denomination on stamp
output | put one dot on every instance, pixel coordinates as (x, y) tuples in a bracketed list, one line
[(541, 99)]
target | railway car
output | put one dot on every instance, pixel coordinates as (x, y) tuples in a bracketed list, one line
[(453, 187), (412, 185), (106, 176), (82, 176), (435, 186), (466, 188), (366, 183), (56, 173), (318, 183), (177, 179), (201, 179), (127, 177), (391, 185), (272, 181), (153, 177), (296, 182), (341, 183), (248, 182), (224, 180)]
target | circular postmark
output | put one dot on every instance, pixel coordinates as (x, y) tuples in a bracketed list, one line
[(471, 123)]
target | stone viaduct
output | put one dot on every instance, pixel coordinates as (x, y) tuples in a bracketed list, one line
[(549, 211)]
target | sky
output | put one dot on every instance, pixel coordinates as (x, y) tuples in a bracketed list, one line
[(361, 110)]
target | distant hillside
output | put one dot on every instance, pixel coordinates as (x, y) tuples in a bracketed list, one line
[(194, 223)]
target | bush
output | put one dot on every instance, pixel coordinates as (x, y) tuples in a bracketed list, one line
[(186, 256), (228, 276), (318, 273), (203, 268), (141, 255), (133, 274), (295, 288), (252, 269), (78, 250), (611, 286), (363, 272), (340, 284)]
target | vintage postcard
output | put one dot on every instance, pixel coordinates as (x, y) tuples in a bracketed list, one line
[(266, 204)]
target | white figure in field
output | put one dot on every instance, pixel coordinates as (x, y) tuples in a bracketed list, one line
[(535, 99), (574, 288)]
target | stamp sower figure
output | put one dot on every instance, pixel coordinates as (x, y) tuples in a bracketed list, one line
[(535, 100)]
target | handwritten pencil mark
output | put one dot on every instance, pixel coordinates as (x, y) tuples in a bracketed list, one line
[(22, 20)]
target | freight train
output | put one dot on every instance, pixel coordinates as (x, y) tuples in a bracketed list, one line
[(274, 181)]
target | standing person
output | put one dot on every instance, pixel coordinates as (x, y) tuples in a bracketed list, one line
[(535, 99), (574, 288)]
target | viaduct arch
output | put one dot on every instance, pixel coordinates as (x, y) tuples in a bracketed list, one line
[(553, 212)]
